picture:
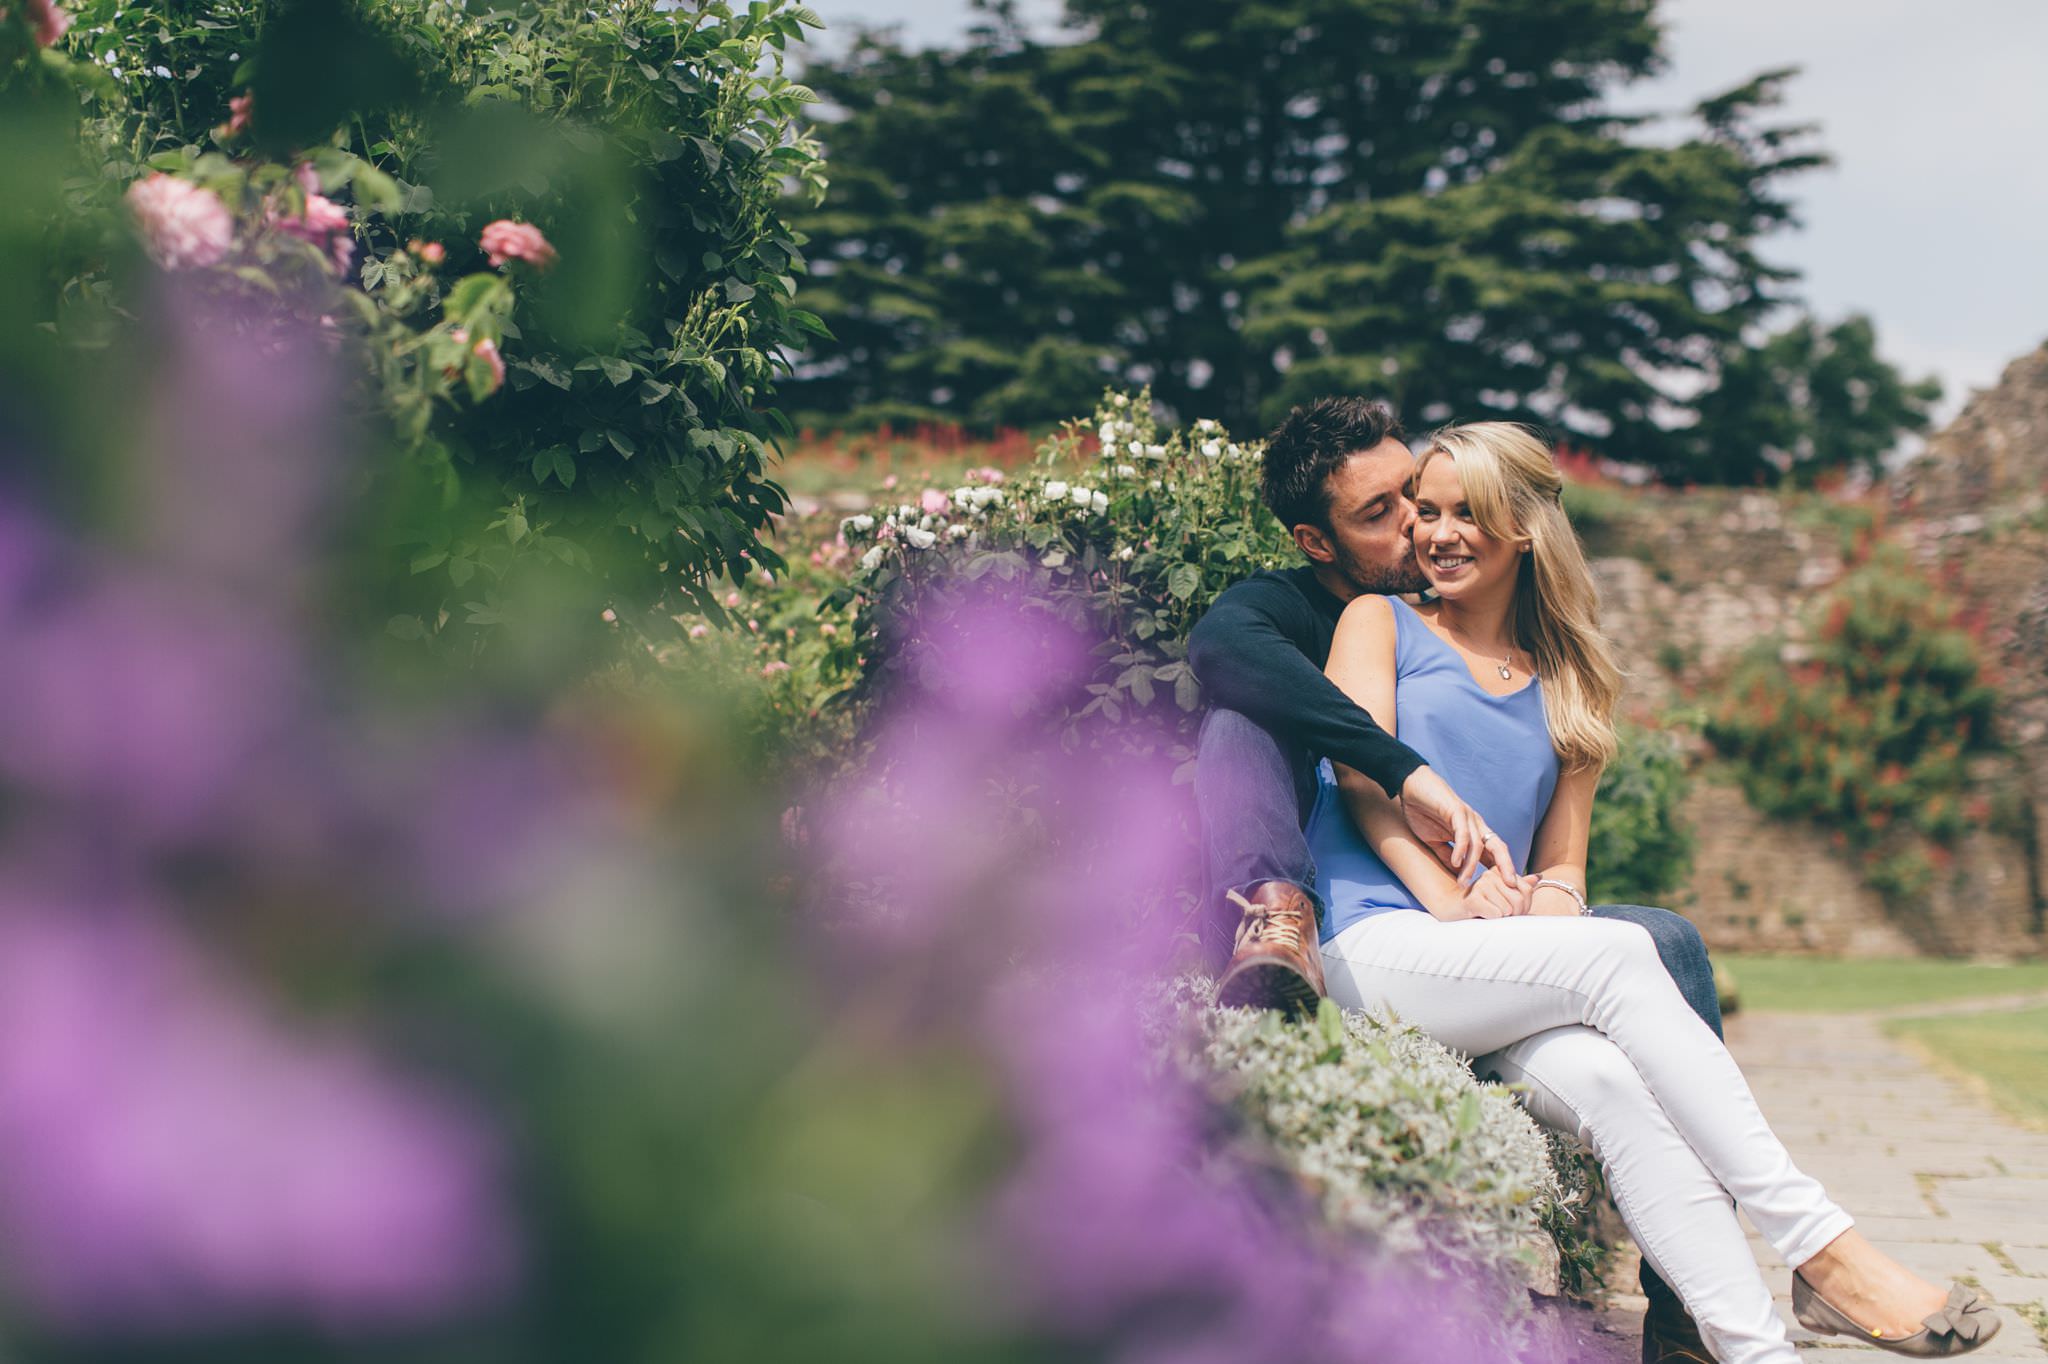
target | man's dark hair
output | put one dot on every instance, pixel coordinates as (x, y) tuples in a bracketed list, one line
[(1312, 444)]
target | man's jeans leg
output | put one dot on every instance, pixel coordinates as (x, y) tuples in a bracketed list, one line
[(1683, 953), (1253, 797)]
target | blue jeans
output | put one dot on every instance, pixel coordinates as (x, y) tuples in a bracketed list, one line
[(1254, 792)]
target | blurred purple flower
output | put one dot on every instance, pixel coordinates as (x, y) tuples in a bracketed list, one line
[(243, 443), (138, 701), (996, 867), (169, 1158)]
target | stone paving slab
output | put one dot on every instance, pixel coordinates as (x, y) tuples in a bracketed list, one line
[(1931, 1173)]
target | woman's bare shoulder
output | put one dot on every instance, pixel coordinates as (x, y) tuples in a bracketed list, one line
[(1368, 621)]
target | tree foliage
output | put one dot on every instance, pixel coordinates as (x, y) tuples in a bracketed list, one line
[(1245, 206)]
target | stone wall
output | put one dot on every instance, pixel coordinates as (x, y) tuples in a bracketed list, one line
[(1690, 580)]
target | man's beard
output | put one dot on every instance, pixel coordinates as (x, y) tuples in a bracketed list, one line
[(1381, 579)]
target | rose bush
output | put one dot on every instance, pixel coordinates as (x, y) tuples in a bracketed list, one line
[(551, 237)]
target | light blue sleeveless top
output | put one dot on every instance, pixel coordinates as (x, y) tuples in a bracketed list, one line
[(1495, 751)]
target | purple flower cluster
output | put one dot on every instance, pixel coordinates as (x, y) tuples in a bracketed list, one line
[(177, 758), (995, 875)]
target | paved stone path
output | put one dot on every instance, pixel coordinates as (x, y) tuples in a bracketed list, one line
[(1931, 1172)]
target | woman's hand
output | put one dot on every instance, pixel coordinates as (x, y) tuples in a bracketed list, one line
[(1495, 896)]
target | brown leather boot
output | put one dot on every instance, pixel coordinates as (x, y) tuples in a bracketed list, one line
[(1670, 1335), (1275, 963)]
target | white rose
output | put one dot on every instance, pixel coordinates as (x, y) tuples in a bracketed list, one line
[(1107, 434), (1055, 491), (920, 538), (906, 512), (1120, 400), (1155, 451), (1137, 448), (861, 524), (987, 496), (1083, 496), (1126, 553), (1157, 485), (1126, 471), (872, 560), (963, 498), (1099, 503), (1212, 449), (956, 531)]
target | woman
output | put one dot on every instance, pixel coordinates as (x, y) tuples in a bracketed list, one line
[(1505, 685)]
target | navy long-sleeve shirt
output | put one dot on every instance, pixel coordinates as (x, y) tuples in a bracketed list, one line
[(1260, 650)]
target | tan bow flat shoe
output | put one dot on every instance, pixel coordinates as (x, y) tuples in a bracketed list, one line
[(1959, 1326)]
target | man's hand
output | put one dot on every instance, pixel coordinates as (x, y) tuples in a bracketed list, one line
[(1438, 817)]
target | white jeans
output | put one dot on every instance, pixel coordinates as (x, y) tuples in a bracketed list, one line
[(1583, 1013)]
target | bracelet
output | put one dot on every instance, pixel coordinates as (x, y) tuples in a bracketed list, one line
[(1569, 889)]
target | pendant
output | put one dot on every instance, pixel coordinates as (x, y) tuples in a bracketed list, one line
[(1507, 674)]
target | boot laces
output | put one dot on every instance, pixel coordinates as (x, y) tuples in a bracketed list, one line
[(1278, 926)]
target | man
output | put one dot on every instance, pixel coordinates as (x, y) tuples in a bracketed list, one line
[(1336, 474)]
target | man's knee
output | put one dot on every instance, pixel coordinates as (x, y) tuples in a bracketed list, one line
[(1233, 733)]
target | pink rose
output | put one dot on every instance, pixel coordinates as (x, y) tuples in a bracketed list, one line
[(433, 253), (933, 502), (182, 225), (238, 117), (828, 629), (699, 631), (889, 482), (505, 240), (732, 599), (49, 21), (324, 223), (488, 349), (778, 666)]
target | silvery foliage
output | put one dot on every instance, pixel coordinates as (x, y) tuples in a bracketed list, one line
[(1386, 1129)]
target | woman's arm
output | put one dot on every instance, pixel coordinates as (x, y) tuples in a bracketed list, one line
[(1362, 665), (1559, 850)]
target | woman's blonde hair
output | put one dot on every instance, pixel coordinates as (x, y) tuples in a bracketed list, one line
[(1513, 488)]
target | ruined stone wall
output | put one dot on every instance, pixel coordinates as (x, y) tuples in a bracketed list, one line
[(1691, 580)]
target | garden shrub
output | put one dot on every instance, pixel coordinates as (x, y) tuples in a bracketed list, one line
[(552, 230), (1869, 735), (1641, 847), (1391, 1135)]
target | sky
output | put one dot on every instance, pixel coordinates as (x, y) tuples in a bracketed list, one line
[(1934, 218)]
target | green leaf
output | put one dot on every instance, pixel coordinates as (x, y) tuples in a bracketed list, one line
[(565, 467), (1184, 580), (429, 559), (515, 526), (738, 291), (615, 369), (471, 294), (376, 190), (1330, 1021), (622, 443)]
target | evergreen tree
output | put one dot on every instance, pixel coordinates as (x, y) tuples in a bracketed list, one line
[(1248, 205)]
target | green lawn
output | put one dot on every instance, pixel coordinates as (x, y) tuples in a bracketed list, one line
[(2007, 1051), (1823, 985)]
